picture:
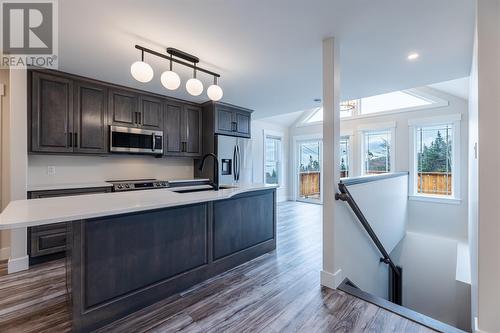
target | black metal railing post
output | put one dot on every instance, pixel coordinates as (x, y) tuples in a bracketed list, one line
[(395, 272)]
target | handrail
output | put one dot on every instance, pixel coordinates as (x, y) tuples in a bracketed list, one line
[(396, 287), (372, 178)]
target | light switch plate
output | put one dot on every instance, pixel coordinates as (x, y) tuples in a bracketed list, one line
[(51, 170)]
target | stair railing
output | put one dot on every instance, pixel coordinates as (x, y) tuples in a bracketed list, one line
[(395, 272)]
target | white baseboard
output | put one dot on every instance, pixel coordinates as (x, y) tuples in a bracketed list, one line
[(4, 253), (18, 264), (476, 326), (330, 280)]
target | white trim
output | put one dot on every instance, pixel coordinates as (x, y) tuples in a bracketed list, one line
[(278, 135), (377, 126), (436, 120), (330, 280), (455, 121), (476, 326), (435, 199), (18, 264), (4, 253)]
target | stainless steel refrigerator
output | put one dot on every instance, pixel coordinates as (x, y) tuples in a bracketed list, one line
[(235, 159)]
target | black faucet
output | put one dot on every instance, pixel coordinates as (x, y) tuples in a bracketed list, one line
[(215, 184)]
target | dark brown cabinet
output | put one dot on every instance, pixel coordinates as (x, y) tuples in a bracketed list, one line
[(229, 119), (151, 113), (51, 114), (67, 116), (182, 130), (90, 118), (123, 108), (48, 241)]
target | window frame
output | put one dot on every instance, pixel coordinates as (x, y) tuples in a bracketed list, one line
[(378, 127), (279, 168), (349, 136), (414, 124)]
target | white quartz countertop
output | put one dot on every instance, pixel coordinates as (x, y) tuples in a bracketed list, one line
[(50, 187), (34, 212)]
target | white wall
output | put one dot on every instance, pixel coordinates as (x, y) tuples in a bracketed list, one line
[(4, 158), (259, 129), (429, 284), (473, 177), (488, 243), (88, 169), (387, 213)]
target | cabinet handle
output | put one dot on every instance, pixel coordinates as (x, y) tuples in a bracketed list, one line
[(139, 118), (75, 143), (69, 136)]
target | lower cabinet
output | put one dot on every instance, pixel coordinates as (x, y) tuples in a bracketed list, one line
[(242, 222), (48, 242)]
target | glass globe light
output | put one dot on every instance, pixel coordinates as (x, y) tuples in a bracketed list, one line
[(194, 87), (170, 80), (214, 92), (141, 71)]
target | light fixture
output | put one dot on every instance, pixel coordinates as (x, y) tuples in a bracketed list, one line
[(170, 79), (141, 71), (214, 92), (413, 56), (194, 86)]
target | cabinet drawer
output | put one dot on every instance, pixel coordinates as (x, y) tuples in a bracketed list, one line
[(48, 242)]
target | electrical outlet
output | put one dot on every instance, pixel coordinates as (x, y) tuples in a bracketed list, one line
[(51, 170)]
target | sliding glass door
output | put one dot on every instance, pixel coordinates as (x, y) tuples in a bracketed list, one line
[(309, 165)]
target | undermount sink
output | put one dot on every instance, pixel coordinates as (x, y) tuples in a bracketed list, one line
[(193, 190), (227, 187)]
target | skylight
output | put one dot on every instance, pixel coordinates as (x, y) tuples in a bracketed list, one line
[(393, 101)]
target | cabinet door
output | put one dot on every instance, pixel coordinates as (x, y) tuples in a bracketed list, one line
[(90, 123), (151, 113), (192, 118), (224, 121), (242, 125), (51, 113), (123, 108), (242, 222), (173, 129)]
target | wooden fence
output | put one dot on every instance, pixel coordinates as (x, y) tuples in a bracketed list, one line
[(310, 184), (439, 183)]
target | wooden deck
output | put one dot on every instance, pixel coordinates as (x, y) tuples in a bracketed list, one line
[(278, 292)]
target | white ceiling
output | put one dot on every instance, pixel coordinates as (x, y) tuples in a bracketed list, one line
[(458, 87), (269, 51)]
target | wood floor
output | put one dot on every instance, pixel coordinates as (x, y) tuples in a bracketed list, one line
[(278, 292)]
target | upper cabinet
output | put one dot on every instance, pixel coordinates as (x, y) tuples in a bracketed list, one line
[(123, 108), (182, 130), (90, 118), (229, 119), (51, 113), (151, 112)]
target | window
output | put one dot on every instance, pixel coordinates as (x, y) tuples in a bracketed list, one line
[(272, 163), (397, 101), (434, 166), (344, 157), (392, 101), (377, 152)]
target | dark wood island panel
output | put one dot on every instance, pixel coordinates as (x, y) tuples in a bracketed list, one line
[(122, 263)]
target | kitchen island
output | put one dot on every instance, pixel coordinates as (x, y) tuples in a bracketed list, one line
[(129, 250)]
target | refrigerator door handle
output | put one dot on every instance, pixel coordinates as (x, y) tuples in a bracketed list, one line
[(239, 159), (235, 157)]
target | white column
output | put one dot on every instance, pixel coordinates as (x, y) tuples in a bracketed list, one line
[(331, 275), (488, 242), (18, 136)]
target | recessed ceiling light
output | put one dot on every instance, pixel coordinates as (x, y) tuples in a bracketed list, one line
[(413, 56)]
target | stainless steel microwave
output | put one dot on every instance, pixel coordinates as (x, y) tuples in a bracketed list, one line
[(135, 140)]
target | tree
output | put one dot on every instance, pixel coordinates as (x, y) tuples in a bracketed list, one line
[(436, 157)]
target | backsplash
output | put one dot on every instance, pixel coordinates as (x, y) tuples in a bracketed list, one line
[(88, 169)]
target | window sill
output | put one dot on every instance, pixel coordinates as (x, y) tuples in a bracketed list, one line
[(435, 199)]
